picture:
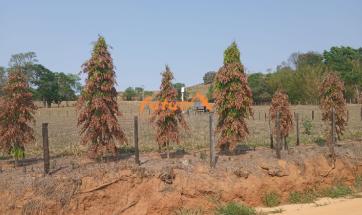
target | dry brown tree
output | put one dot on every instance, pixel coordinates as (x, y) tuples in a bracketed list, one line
[(280, 104), (332, 97), (167, 117), (17, 112), (97, 105), (233, 100)]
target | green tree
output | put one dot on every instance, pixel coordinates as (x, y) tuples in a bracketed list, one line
[(345, 61), (283, 78), (68, 86), (139, 93), (25, 62), (97, 105), (129, 94), (209, 77), (233, 99), (306, 82), (311, 58), (262, 92), (47, 88)]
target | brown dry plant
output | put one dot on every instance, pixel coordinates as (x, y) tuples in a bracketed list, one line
[(17, 112), (332, 96), (97, 105), (167, 117), (280, 103), (233, 100)]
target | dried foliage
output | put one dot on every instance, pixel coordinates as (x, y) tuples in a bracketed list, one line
[(280, 103), (168, 115), (233, 100), (17, 110), (97, 105), (331, 96)]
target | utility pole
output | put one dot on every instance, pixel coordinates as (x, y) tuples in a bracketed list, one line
[(182, 93)]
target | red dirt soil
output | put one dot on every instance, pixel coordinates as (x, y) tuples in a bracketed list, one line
[(161, 186)]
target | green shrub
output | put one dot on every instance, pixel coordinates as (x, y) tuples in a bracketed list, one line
[(17, 153), (338, 191), (271, 199), (235, 209), (302, 197), (320, 141), (307, 124)]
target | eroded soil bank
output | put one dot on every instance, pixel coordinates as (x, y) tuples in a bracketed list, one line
[(161, 186)]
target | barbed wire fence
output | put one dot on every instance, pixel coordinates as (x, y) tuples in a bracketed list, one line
[(64, 135)]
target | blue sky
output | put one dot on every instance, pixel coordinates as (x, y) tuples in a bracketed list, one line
[(189, 36)]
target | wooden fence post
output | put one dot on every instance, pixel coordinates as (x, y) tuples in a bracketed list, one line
[(135, 140), (212, 141), (297, 125), (361, 113), (347, 115), (271, 134), (45, 147), (265, 116), (312, 114), (278, 136), (333, 134), (259, 115)]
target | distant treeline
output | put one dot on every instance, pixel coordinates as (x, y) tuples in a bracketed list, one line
[(46, 86), (301, 75)]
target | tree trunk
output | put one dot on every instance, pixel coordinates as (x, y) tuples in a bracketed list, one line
[(271, 135), (168, 150), (333, 135), (278, 135), (49, 104), (285, 143)]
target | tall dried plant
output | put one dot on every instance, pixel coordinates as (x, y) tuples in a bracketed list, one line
[(17, 112), (97, 105), (280, 103), (332, 96), (233, 100), (168, 115)]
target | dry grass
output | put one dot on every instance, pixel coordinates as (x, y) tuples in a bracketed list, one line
[(198, 88), (64, 136)]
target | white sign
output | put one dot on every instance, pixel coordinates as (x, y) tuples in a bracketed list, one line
[(182, 89)]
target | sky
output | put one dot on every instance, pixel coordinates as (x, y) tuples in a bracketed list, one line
[(190, 36)]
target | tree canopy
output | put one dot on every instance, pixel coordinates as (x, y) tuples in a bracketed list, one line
[(209, 77), (302, 75)]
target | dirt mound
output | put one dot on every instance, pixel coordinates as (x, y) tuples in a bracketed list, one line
[(161, 186)]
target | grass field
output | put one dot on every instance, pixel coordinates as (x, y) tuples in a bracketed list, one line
[(64, 136)]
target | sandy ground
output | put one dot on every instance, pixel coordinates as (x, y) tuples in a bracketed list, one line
[(345, 206)]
